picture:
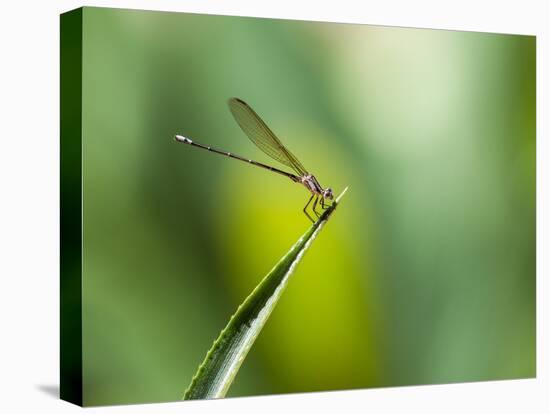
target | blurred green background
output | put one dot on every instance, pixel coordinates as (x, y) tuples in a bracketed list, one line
[(427, 272)]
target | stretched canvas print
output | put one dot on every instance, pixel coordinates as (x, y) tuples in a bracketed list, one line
[(258, 206)]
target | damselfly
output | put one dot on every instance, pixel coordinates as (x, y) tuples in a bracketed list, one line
[(260, 134)]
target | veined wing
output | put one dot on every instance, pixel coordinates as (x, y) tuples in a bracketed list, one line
[(260, 134)]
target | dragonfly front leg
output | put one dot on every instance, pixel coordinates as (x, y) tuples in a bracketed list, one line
[(315, 205), (305, 208), (323, 205)]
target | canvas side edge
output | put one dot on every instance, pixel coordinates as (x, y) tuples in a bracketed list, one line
[(71, 206)]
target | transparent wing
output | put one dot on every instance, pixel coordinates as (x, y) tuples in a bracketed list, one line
[(260, 134)]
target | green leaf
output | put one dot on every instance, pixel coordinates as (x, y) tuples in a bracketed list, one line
[(223, 360)]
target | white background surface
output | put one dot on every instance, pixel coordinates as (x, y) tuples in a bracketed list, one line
[(29, 205)]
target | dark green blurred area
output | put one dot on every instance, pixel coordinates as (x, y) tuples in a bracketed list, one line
[(425, 275)]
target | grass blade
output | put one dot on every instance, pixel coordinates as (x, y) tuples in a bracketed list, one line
[(223, 360)]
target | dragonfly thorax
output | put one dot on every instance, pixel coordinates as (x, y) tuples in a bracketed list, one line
[(310, 182)]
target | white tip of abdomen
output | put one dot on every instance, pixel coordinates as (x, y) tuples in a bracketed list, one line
[(181, 138)]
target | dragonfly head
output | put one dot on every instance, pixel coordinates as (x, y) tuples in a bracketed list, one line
[(327, 193)]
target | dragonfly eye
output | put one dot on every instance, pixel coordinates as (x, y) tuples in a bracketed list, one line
[(328, 194)]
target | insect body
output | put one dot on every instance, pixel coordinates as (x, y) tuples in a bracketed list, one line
[(259, 133)]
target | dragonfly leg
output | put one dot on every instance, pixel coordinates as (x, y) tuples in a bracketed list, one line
[(323, 206), (305, 208), (315, 205)]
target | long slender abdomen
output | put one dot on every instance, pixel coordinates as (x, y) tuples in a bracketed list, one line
[(185, 140)]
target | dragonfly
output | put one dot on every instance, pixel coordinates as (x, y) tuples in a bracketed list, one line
[(259, 133)]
